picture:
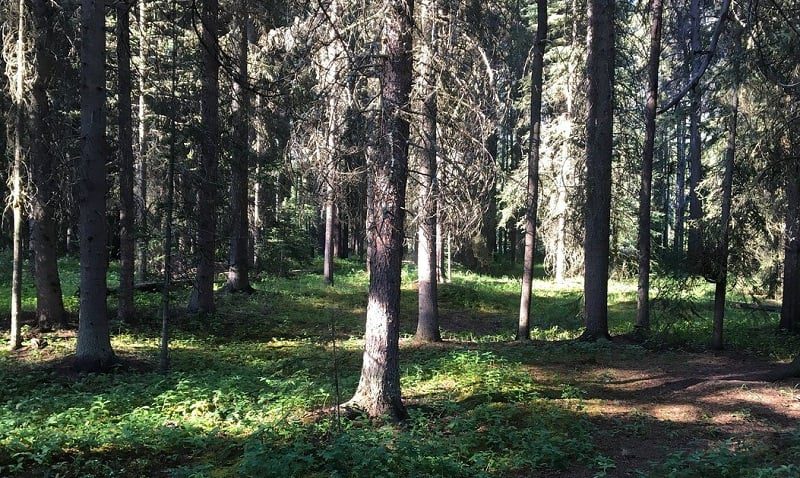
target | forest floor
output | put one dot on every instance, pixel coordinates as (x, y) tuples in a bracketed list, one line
[(246, 386)]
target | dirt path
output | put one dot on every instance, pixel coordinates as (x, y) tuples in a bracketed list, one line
[(648, 407)]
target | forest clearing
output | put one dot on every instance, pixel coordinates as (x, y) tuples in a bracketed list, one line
[(245, 391)]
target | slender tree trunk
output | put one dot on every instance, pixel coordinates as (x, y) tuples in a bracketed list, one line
[(127, 205), (727, 192), (680, 183), (49, 301), (93, 351), (142, 126), (646, 186), (490, 219), (599, 146), (202, 297), (239, 258), (695, 165), (532, 196), (378, 390), (428, 305), (790, 308), (16, 184), (330, 224)]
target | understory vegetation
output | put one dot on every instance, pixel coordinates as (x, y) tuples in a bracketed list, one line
[(252, 389)]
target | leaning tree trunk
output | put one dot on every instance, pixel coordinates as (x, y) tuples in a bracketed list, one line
[(532, 195), (428, 302), (695, 249), (127, 205), (94, 351), (49, 301), (725, 220), (790, 309), (239, 258), (599, 146), (378, 390), (202, 297), (646, 186)]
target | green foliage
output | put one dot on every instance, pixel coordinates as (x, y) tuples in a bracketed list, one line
[(288, 245)]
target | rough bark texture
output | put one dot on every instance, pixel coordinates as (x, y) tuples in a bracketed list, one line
[(790, 308), (142, 246), (727, 192), (599, 145), (93, 351), (127, 205), (646, 186), (202, 297), (428, 305), (695, 166), (239, 258), (49, 302), (532, 193), (378, 390), (330, 224), (16, 185)]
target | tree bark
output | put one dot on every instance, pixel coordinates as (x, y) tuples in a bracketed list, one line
[(49, 301), (142, 127), (790, 306), (646, 186), (239, 258), (532, 194), (127, 205), (202, 297), (727, 192), (695, 165), (16, 183), (599, 146), (680, 183), (330, 224), (93, 352), (378, 390)]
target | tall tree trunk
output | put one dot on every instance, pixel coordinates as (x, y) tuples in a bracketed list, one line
[(695, 165), (239, 258), (202, 297), (16, 183), (428, 301), (127, 205), (330, 224), (599, 147), (490, 219), (790, 308), (532, 195), (727, 192), (49, 301), (646, 186), (680, 182), (378, 390), (142, 126), (93, 351)]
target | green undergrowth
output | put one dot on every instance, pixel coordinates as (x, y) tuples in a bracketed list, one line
[(246, 385)]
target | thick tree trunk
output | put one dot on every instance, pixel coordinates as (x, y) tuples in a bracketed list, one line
[(646, 185), (202, 297), (378, 390), (727, 192), (239, 258), (49, 301), (532, 194), (428, 304), (127, 205), (599, 146), (142, 246), (93, 351), (790, 308), (695, 165)]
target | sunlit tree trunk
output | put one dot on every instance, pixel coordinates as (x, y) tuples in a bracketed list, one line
[(330, 224), (532, 194), (378, 390), (93, 351), (646, 185), (127, 206), (16, 183), (599, 145), (202, 297)]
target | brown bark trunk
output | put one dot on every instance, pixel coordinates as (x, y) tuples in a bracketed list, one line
[(16, 184), (695, 165), (127, 206), (599, 146), (727, 192), (646, 185), (202, 297), (49, 301), (490, 218), (239, 257), (790, 308), (378, 390), (93, 352), (142, 166), (532, 195), (680, 183)]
